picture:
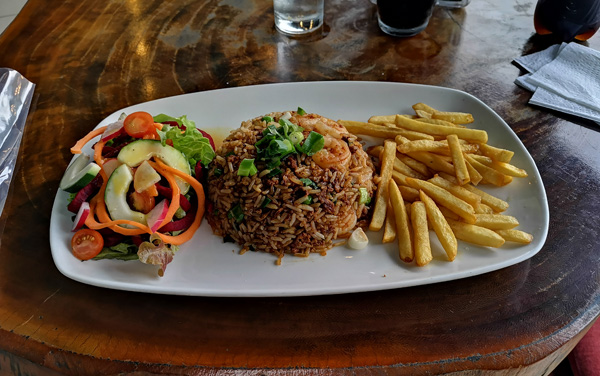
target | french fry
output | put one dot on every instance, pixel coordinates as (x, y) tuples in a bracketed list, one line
[(471, 135), (439, 122), (401, 140), (445, 198), (423, 145), (389, 229), (423, 107), (458, 160), (502, 167), (434, 161), (422, 247), (516, 236), (420, 167), (409, 194), (369, 129), (423, 114), (464, 194), (497, 154), (489, 174), (382, 196), (440, 226), (453, 117), (375, 151), (381, 119), (474, 175), (405, 249), (497, 204), (406, 170), (399, 178), (448, 214), (483, 209), (496, 221), (475, 234)]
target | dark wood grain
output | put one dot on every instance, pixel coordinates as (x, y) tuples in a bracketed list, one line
[(90, 58)]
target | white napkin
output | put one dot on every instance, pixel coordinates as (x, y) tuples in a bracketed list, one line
[(565, 78)]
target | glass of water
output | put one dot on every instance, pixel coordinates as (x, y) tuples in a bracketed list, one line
[(297, 17)]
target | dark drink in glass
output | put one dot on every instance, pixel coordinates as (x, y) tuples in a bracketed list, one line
[(567, 19), (404, 18)]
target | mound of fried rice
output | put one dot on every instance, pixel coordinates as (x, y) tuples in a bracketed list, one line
[(286, 224)]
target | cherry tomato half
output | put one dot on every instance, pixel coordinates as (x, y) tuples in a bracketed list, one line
[(139, 124), (86, 244)]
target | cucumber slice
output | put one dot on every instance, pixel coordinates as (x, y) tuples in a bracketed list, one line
[(115, 196), (79, 174), (136, 152)]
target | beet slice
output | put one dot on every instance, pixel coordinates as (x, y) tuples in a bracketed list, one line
[(210, 139), (110, 237), (85, 193), (168, 193), (181, 224)]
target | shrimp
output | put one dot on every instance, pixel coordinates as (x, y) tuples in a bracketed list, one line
[(347, 224), (335, 151)]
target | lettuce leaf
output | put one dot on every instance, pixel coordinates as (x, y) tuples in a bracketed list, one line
[(191, 143), (121, 251)]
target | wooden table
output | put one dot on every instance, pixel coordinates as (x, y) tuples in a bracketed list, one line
[(92, 57)]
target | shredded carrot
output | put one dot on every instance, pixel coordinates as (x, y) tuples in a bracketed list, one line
[(79, 145), (91, 222), (187, 234), (98, 152)]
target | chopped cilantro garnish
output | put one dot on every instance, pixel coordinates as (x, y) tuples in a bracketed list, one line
[(309, 183), (313, 143), (236, 213), (265, 202)]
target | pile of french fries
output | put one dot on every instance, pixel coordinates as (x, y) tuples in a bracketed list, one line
[(430, 166)]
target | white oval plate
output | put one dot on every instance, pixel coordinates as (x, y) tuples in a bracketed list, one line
[(206, 266)]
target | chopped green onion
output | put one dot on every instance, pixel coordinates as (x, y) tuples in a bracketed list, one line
[(265, 202), (313, 143), (309, 183), (364, 196), (308, 201), (236, 213), (301, 111), (273, 173), (218, 171), (296, 137), (267, 119), (247, 168), (275, 162), (281, 148)]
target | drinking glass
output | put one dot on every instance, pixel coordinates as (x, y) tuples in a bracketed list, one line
[(297, 17)]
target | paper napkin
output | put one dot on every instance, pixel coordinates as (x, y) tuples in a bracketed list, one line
[(565, 78)]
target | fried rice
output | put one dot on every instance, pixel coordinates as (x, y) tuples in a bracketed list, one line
[(277, 211)]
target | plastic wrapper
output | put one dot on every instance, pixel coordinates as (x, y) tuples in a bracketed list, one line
[(16, 93)]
